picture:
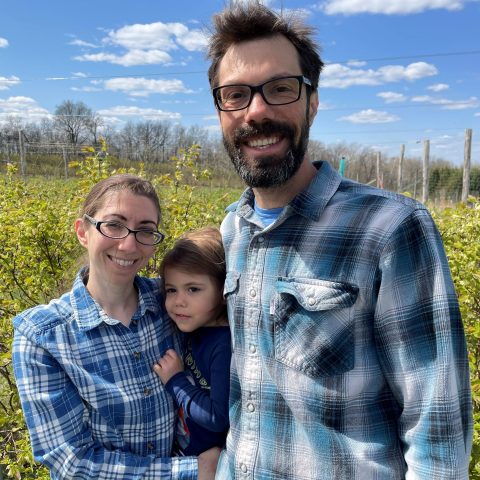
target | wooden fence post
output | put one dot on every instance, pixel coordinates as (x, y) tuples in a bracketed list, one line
[(426, 160), (466, 165), (400, 167), (21, 148), (379, 170)]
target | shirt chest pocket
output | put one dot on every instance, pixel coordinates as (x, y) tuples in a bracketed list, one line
[(313, 325)]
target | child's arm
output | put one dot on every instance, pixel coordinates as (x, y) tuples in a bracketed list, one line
[(207, 408), (168, 366)]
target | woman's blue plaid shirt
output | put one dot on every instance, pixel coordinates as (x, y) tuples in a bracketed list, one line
[(93, 406)]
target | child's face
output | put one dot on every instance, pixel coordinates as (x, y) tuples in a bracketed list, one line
[(192, 299)]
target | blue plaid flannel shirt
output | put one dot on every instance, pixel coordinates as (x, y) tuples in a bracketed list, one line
[(92, 404), (349, 355)]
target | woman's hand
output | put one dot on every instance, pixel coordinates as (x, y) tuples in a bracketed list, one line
[(207, 464), (169, 365)]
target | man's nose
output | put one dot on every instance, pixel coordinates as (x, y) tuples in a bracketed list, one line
[(258, 110)]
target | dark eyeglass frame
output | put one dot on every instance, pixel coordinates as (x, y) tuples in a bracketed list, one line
[(302, 80), (159, 236)]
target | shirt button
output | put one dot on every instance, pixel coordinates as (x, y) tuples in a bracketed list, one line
[(147, 391), (137, 355), (243, 468), (150, 446), (311, 301), (251, 407), (253, 293), (253, 348), (261, 239), (134, 322)]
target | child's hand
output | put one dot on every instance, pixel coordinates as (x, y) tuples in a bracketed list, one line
[(168, 366)]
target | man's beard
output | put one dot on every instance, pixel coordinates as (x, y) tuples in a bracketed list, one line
[(267, 171)]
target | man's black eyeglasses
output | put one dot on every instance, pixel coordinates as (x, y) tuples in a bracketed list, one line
[(117, 231), (279, 91)]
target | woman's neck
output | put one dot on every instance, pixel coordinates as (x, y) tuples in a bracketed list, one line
[(117, 301)]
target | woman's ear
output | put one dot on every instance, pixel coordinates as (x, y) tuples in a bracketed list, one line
[(81, 232)]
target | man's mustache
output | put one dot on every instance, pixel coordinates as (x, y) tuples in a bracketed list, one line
[(245, 132)]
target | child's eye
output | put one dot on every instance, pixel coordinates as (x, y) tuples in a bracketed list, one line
[(169, 290), (193, 289)]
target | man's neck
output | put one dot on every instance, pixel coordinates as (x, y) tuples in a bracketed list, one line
[(277, 197)]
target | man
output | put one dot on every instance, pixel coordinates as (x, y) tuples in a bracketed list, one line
[(349, 354)]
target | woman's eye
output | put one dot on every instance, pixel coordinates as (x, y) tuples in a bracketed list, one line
[(114, 227)]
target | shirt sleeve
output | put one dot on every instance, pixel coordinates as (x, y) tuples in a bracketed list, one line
[(62, 441), (207, 408), (422, 349)]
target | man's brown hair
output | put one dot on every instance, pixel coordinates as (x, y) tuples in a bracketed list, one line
[(245, 21)]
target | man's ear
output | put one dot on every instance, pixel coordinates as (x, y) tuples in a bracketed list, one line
[(81, 232), (313, 107)]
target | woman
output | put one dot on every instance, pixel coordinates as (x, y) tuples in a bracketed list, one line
[(83, 363)]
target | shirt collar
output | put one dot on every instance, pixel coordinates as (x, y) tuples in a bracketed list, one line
[(309, 203), (88, 312)]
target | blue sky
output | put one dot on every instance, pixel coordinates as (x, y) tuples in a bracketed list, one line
[(398, 71)]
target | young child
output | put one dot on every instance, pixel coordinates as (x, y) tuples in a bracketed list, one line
[(193, 275)]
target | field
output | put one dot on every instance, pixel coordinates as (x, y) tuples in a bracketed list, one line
[(40, 255)]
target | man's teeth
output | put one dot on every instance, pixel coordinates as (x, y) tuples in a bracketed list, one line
[(123, 263), (262, 142)]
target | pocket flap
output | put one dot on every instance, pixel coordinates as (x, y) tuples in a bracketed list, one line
[(316, 295)]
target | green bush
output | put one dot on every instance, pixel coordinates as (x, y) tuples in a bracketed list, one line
[(460, 230), (40, 255)]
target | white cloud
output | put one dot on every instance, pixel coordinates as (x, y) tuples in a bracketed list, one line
[(6, 83), (86, 89), (22, 107), (142, 87), (438, 87), (129, 59), (392, 97), (446, 104), (3, 42), (158, 35), (80, 43), (129, 111), (341, 76), (356, 63), (144, 44), (370, 116), (387, 7)]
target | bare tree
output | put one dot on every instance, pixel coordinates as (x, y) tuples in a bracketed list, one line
[(73, 119)]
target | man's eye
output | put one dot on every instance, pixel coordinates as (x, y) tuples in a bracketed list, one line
[(233, 95)]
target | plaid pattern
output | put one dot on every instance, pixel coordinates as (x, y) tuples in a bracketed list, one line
[(93, 406), (349, 357)]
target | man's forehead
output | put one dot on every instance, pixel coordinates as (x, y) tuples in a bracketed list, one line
[(262, 58)]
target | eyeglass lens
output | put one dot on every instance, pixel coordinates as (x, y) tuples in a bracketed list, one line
[(276, 92), (117, 230)]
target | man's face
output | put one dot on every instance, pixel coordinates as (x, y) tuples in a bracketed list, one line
[(266, 143)]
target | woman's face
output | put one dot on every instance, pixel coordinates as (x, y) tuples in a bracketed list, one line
[(117, 261)]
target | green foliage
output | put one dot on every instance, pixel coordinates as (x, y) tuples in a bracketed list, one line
[(40, 255), (460, 230)]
